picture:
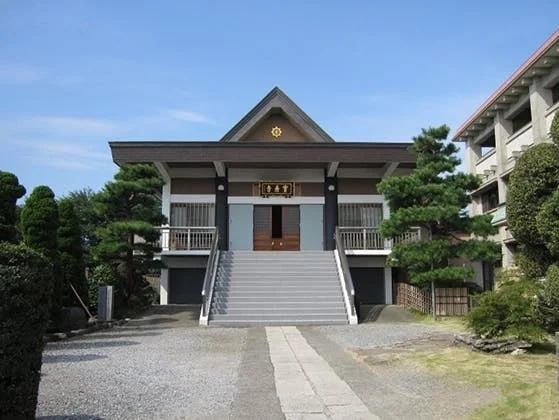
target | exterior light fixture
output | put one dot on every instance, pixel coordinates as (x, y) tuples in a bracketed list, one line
[(331, 187), (221, 187)]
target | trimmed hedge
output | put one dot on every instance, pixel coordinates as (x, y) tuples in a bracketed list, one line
[(25, 288)]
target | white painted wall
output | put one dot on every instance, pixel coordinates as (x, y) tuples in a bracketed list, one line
[(192, 198)]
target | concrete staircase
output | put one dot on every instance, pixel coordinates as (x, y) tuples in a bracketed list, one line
[(277, 288)]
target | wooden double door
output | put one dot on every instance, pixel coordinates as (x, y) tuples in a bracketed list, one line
[(276, 228)]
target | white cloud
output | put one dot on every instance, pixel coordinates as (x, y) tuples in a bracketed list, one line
[(187, 116), (73, 125), (65, 155), (18, 73)]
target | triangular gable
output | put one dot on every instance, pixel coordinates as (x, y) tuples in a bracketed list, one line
[(277, 104)]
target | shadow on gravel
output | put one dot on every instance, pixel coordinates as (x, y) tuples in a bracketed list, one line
[(91, 343), (150, 321), (370, 313), (72, 417), (97, 336), (71, 358)]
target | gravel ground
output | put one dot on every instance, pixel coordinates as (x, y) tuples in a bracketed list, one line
[(158, 367), (373, 334), (395, 391)]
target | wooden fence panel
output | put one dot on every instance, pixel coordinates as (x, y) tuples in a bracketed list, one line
[(449, 301)]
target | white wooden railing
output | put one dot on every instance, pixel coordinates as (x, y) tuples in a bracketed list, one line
[(369, 238), (186, 238)]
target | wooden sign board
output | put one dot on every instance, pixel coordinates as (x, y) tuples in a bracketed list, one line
[(275, 189)]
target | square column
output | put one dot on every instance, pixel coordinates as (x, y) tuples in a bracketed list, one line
[(222, 212), (330, 212), (388, 285), (540, 100), (164, 287)]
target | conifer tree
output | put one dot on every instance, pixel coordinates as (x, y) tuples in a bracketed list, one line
[(10, 192), (71, 254), (39, 225), (130, 209), (434, 197), (532, 201)]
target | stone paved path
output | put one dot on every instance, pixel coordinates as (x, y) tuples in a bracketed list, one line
[(306, 385)]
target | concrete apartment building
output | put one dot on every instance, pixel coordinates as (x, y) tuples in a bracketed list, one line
[(515, 117)]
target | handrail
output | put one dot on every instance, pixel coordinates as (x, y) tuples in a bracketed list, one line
[(209, 278), (345, 270), (186, 238)]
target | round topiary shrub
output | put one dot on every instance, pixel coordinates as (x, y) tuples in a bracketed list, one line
[(25, 288)]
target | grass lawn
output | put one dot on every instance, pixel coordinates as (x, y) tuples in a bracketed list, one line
[(528, 383)]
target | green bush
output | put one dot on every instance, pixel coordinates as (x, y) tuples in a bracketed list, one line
[(25, 288), (532, 262), (554, 129), (509, 311), (548, 300)]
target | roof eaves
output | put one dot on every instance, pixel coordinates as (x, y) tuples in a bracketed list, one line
[(508, 83)]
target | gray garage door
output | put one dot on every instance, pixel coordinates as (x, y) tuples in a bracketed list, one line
[(369, 284), (185, 285)]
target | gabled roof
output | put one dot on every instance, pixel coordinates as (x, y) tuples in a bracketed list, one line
[(273, 101)]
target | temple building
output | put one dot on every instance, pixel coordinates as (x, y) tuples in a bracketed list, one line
[(275, 222)]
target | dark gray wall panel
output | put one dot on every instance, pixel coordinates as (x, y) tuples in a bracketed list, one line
[(185, 285), (369, 284)]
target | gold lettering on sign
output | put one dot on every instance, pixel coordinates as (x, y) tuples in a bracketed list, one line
[(282, 189)]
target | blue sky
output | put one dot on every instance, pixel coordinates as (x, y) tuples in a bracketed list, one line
[(76, 74)]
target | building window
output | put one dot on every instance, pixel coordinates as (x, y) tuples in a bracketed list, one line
[(488, 145), (490, 200), (523, 117), (193, 214), (359, 215), (555, 93)]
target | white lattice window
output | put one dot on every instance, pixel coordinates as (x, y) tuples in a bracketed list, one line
[(359, 214), (193, 214)]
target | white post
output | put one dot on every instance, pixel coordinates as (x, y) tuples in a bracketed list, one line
[(164, 287), (165, 234)]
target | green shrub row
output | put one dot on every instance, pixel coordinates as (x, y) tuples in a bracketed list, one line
[(25, 289)]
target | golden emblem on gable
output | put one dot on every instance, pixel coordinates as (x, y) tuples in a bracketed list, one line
[(276, 132)]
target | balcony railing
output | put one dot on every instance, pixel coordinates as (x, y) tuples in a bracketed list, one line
[(368, 238), (187, 238)]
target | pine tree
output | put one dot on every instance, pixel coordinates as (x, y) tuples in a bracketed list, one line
[(130, 209), (84, 205), (434, 197), (71, 254), (10, 192), (39, 225)]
